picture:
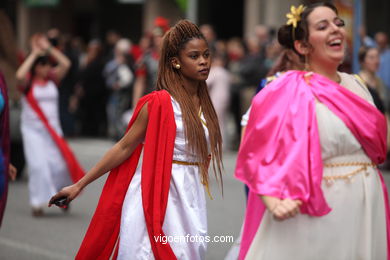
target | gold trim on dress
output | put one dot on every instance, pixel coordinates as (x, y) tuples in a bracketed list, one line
[(363, 167), (206, 185)]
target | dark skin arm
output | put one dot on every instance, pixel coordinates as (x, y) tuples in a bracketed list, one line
[(114, 157)]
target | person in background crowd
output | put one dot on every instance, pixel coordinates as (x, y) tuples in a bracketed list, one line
[(210, 35), (218, 83), (165, 197), (50, 162), (369, 64), (365, 39), (119, 79), (91, 92), (310, 153), (147, 65), (236, 54), (382, 42)]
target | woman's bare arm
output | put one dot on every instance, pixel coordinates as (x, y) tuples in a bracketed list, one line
[(114, 157)]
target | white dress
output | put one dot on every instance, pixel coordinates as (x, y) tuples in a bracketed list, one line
[(185, 217), (355, 228), (46, 167)]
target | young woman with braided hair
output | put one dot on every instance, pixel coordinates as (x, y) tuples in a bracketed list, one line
[(310, 153), (159, 210)]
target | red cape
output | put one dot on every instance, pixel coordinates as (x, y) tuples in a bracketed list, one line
[(103, 232)]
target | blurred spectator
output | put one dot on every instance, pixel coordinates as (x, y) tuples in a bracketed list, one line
[(218, 84), (369, 63), (112, 37), (236, 54), (382, 42), (67, 86), (262, 33), (252, 70), (366, 40), (211, 38), (147, 65), (272, 53), (91, 92), (119, 79)]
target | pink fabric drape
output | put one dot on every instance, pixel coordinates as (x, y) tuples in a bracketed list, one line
[(280, 154)]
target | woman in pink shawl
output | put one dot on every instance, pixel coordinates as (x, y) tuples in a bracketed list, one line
[(310, 154)]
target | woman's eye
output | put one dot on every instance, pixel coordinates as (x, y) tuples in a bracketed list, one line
[(322, 27), (194, 56), (340, 23)]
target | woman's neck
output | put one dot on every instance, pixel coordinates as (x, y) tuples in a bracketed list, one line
[(39, 78), (192, 89), (328, 72)]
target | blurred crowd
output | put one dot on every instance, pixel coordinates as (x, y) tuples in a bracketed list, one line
[(108, 76)]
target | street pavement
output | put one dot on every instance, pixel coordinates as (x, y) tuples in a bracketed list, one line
[(57, 235)]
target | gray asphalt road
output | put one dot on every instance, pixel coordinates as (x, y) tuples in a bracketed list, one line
[(58, 235)]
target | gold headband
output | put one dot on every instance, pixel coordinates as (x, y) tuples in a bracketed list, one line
[(294, 16)]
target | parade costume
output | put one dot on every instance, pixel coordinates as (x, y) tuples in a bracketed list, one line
[(4, 146), (164, 197), (51, 163), (320, 143)]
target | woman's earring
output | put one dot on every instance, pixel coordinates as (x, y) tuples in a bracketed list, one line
[(177, 66)]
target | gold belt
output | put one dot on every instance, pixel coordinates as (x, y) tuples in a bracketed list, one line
[(185, 163), (206, 185), (362, 167)]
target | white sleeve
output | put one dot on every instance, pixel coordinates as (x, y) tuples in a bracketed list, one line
[(245, 117)]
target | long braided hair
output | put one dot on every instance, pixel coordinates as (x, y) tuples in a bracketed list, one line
[(170, 79)]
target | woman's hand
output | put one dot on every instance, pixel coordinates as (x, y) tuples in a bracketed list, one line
[(281, 209), (35, 47), (12, 171), (70, 192), (286, 208), (43, 43)]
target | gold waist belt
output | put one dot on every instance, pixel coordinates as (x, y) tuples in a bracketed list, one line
[(206, 185), (185, 163), (362, 167)]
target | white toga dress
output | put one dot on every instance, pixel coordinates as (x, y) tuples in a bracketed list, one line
[(185, 218), (355, 229), (46, 167)]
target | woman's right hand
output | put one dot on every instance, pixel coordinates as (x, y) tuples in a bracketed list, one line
[(282, 209), (286, 208), (35, 48), (70, 192)]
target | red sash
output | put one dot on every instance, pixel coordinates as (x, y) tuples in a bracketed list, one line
[(103, 232), (75, 170)]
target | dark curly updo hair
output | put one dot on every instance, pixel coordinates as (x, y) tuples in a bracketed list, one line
[(287, 34)]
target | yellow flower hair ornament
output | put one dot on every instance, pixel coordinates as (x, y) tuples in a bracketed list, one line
[(294, 16)]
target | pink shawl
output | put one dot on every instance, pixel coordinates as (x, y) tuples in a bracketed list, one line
[(280, 154)]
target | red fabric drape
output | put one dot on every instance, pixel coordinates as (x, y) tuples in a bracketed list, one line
[(73, 165), (103, 232)]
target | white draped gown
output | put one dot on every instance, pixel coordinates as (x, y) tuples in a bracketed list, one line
[(355, 229), (186, 210), (47, 170)]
